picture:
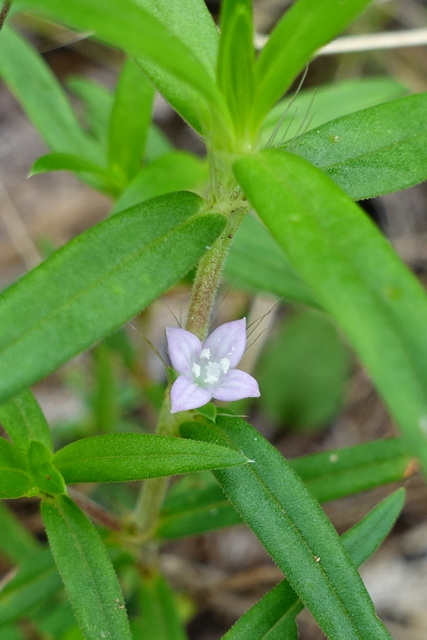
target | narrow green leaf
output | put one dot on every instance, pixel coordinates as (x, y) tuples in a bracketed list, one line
[(160, 619), (66, 162), (273, 617), (24, 421), (42, 97), (105, 402), (97, 282), (122, 457), (273, 273), (15, 480), (130, 119), (35, 581), (311, 108), (187, 82), (295, 531), (374, 151), (235, 66), (304, 28), (56, 621), (89, 578), (98, 102), (364, 538), (16, 542), (356, 276), (191, 22), (197, 505), (174, 171), (158, 144), (47, 478), (342, 472)]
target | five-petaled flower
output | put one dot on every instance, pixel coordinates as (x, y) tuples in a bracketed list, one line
[(208, 370)]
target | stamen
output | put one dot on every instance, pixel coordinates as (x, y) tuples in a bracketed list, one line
[(196, 369), (224, 363), (206, 353), (213, 371)]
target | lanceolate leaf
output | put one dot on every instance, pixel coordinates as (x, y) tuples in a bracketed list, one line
[(129, 26), (356, 276), (36, 580), (66, 162), (192, 23), (305, 27), (42, 97), (342, 472), (197, 505), (374, 151), (173, 171), (310, 108), (98, 102), (129, 123), (160, 618), (96, 283), (46, 476), (16, 542), (131, 456), (89, 578), (24, 421), (235, 66), (295, 531), (15, 479), (273, 617)]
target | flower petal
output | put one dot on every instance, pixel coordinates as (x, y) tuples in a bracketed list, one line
[(186, 395), (236, 386), (183, 348), (228, 341)]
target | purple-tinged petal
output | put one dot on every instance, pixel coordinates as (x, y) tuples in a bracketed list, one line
[(236, 386), (186, 395), (183, 348), (228, 341)]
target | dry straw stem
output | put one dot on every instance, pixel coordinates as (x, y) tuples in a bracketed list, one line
[(368, 42)]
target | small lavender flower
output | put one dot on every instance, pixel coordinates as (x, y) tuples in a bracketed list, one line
[(208, 370)]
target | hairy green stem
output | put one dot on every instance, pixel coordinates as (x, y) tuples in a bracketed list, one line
[(208, 277), (205, 287), (149, 505)]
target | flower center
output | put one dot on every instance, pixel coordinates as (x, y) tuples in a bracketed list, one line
[(207, 372)]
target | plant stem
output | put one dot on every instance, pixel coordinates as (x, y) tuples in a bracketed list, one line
[(149, 504), (203, 295), (208, 277), (153, 490)]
